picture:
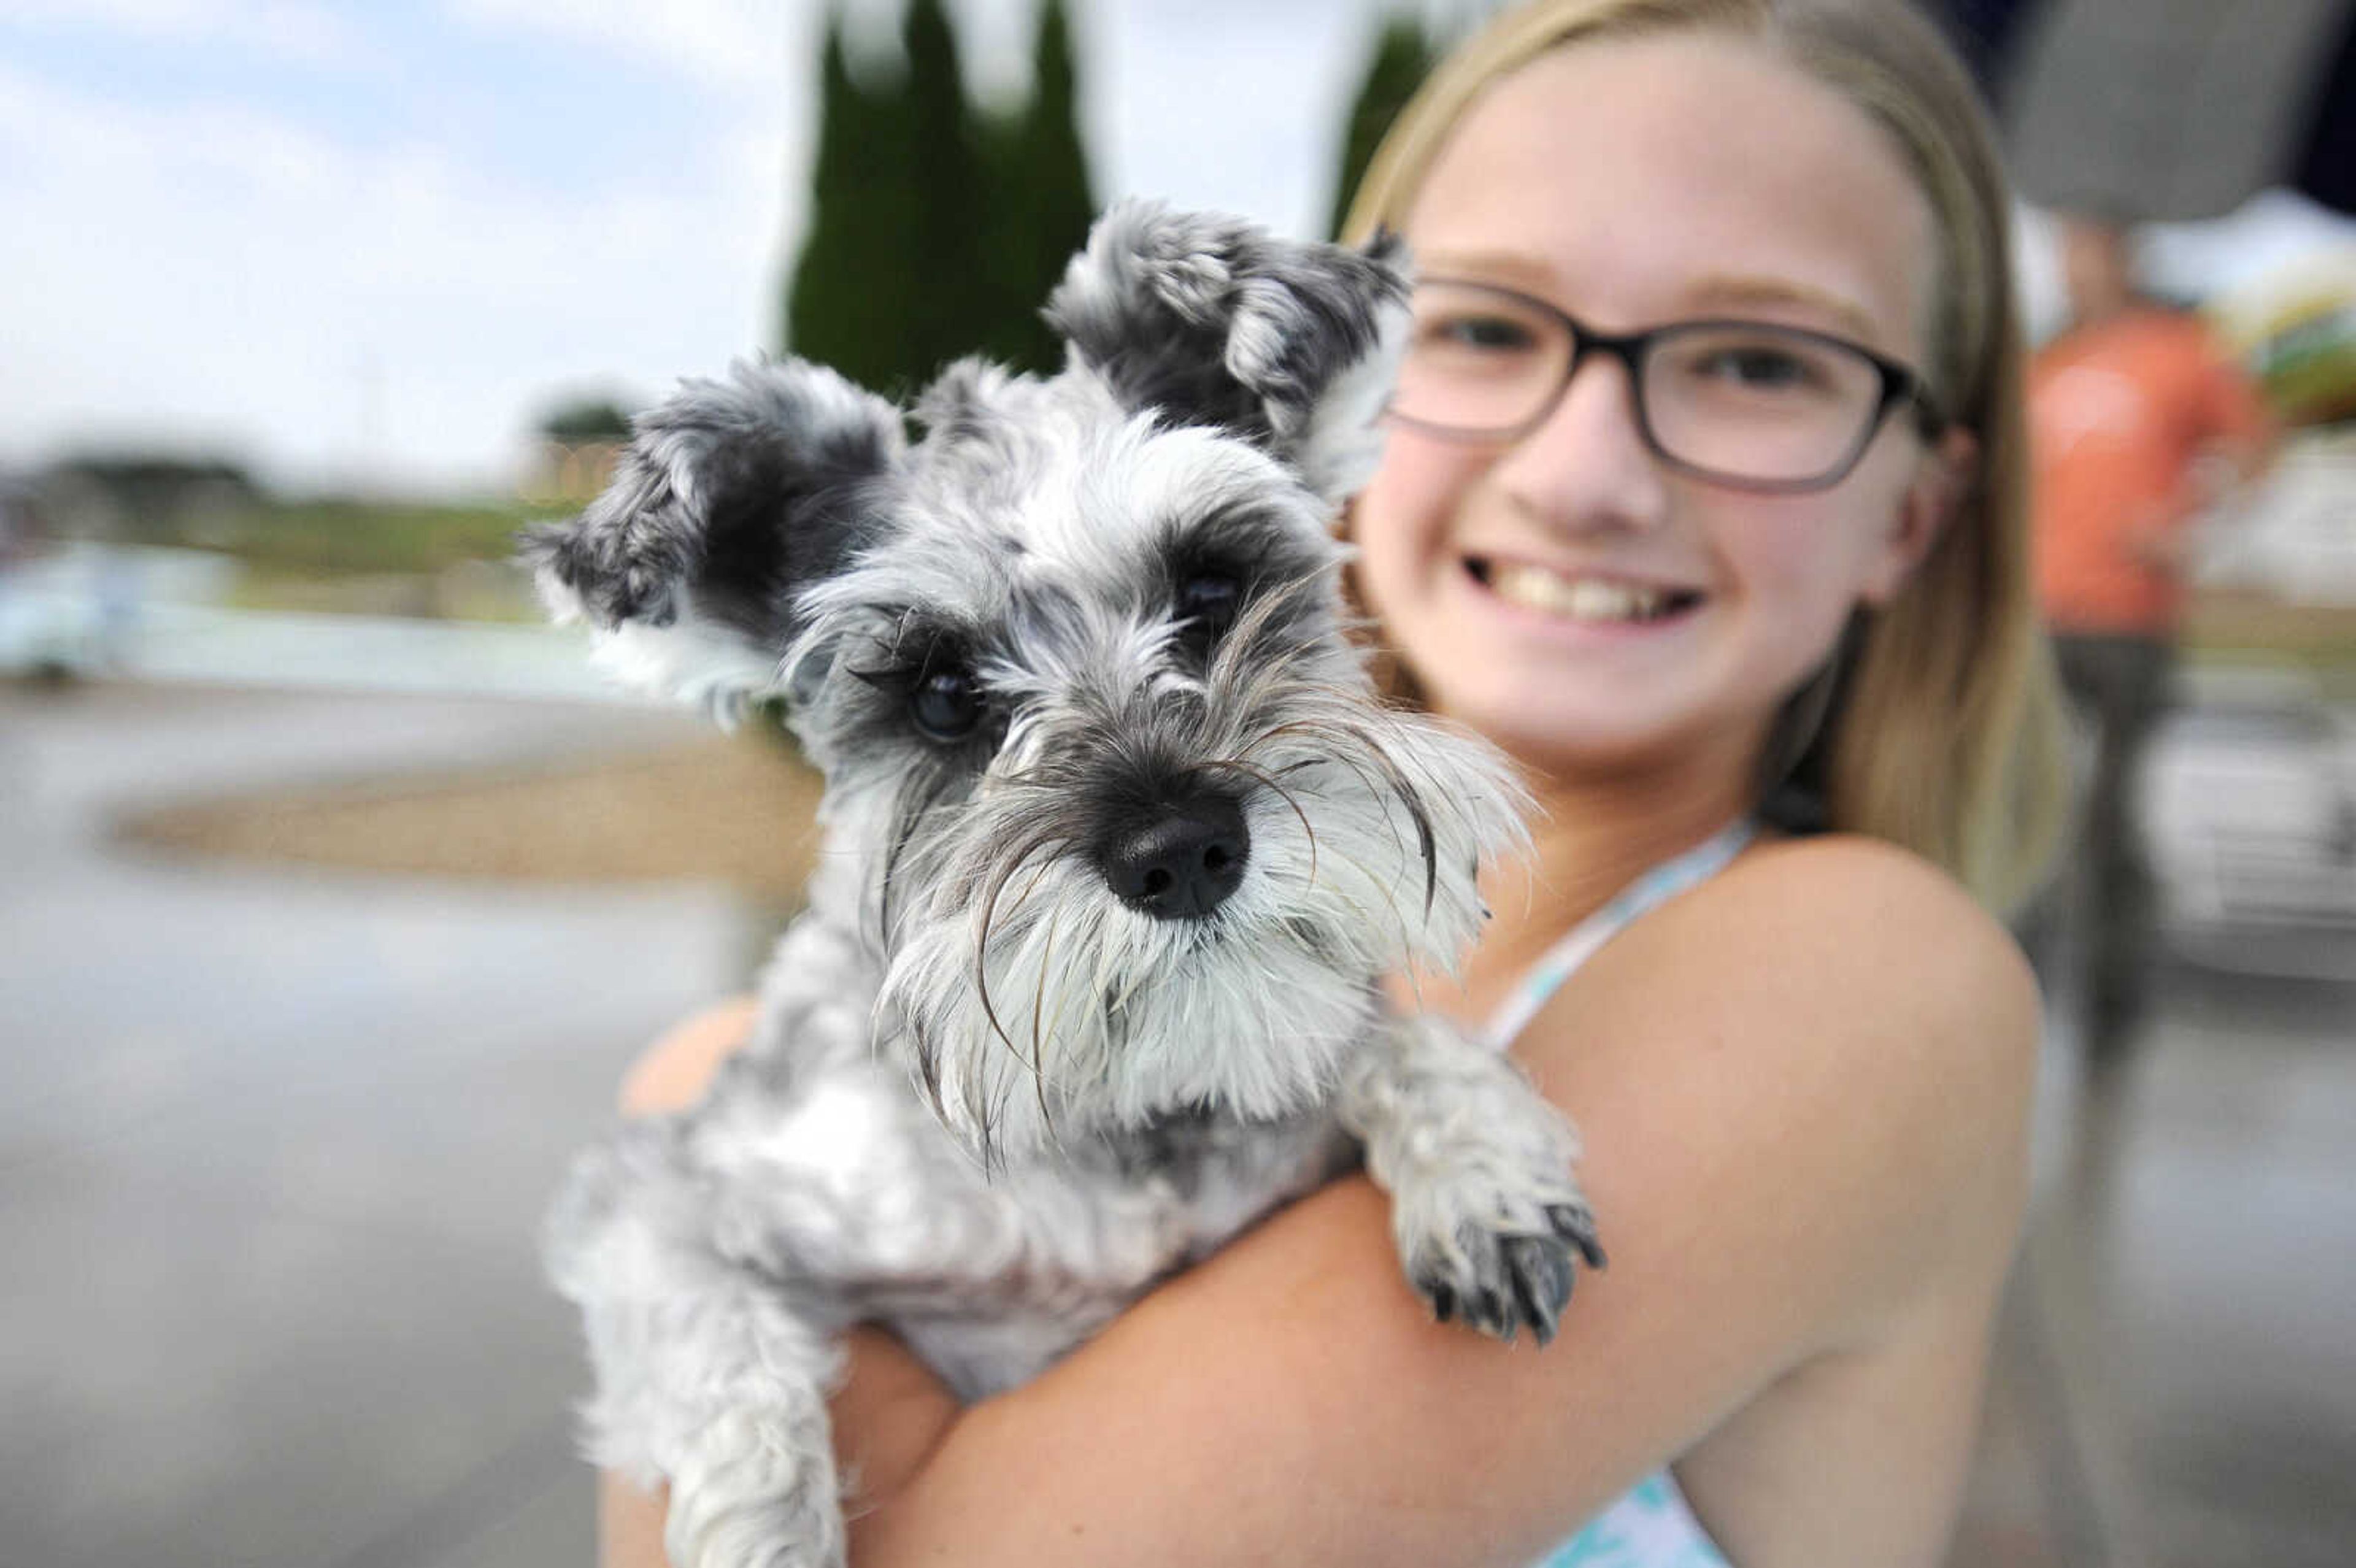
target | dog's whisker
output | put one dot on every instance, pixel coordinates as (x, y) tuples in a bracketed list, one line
[(1403, 789), (1340, 746), (1023, 898), (1269, 781), (1038, 1008), (981, 947), (1117, 1005), (1407, 938)]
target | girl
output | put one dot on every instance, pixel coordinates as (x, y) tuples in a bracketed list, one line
[(1702, 498)]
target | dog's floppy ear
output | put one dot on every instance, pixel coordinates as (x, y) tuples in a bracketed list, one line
[(1208, 320), (731, 496)]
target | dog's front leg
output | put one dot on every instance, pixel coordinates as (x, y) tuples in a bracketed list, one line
[(753, 1484), (1488, 1215), (710, 1371)]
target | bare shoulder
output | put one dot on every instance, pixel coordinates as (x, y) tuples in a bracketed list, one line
[(1843, 1036), (1843, 931), (1859, 886)]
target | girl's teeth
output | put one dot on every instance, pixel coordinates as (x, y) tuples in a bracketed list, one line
[(1578, 598)]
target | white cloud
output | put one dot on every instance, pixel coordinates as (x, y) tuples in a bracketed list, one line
[(1235, 104), (233, 278), (739, 44), (295, 31)]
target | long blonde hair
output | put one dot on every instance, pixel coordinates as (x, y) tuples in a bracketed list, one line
[(1946, 735)]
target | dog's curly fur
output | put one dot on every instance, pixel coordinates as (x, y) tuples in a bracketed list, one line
[(1120, 842)]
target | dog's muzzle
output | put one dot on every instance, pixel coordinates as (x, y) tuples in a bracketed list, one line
[(1182, 863)]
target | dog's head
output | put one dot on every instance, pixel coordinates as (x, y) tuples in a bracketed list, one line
[(1129, 823)]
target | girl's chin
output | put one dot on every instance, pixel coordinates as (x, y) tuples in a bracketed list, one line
[(1557, 726)]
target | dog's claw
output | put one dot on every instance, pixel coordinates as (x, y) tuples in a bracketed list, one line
[(1509, 1281), (1541, 1277), (1574, 1223)]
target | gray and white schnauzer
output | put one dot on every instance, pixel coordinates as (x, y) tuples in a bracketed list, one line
[(1121, 843)]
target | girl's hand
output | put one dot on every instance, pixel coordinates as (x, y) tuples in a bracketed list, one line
[(889, 1415)]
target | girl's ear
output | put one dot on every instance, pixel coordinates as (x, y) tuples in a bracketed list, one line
[(1942, 481)]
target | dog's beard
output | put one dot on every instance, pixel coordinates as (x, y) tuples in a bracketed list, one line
[(1038, 1006)]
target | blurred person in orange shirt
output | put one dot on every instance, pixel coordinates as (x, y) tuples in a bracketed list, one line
[(2140, 422)]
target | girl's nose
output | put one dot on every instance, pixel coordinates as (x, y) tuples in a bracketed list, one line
[(1587, 466)]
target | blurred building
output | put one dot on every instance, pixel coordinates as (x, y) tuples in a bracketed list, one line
[(571, 471), (21, 527), (580, 440), (140, 498)]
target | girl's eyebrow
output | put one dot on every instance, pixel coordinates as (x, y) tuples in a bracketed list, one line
[(1734, 291), (1505, 267), (1713, 291)]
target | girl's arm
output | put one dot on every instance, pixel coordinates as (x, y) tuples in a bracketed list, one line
[(1802, 1089)]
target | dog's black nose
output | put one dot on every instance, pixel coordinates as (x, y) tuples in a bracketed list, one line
[(1182, 863)]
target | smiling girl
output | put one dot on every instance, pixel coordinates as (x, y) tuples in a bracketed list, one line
[(1702, 498)]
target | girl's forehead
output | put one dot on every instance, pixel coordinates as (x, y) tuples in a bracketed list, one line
[(1641, 180)]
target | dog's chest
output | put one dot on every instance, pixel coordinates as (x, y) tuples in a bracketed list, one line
[(1102, 1230), (991, 1276)]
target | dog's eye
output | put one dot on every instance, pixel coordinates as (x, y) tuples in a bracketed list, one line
[(945, 705), (1206, 606)]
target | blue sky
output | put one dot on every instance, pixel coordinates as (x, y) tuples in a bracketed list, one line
[(370, 242)]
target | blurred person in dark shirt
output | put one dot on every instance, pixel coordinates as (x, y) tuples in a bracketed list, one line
[(2141, 422)]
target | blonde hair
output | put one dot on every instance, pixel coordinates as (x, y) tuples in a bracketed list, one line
[(1945, 736)]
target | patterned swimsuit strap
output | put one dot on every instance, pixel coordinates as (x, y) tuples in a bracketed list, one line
[(1655, 887)]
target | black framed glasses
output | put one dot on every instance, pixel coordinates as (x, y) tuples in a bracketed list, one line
[(1751, 404)]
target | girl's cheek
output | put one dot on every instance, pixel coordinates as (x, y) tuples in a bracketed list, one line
[(1421, 480)]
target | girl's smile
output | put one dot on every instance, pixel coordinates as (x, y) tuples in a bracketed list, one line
[(1578, 598)]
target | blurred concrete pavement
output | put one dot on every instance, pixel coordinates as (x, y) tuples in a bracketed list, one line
[(273, 1146)]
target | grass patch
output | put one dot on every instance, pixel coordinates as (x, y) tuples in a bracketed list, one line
[(328, 537)]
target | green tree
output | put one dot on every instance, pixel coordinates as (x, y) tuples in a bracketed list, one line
[(949, 310), (936, 231), (1042, 205), (1403, 55), (848, 301), (585, 419)]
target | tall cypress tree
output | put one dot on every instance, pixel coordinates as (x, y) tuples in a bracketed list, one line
[(936, 232), (848, 303), (949, 311), (1061, 206), (1403, 55), (1039, 207)]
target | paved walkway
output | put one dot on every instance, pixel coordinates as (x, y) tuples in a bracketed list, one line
[(273, 1146)]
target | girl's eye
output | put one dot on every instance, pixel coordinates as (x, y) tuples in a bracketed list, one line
[(1763, 368), (1491, 334), (945, 706), (1206, 606)]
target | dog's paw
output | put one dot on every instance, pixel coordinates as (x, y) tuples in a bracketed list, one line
[(1491, 1225), (1501, 1279)]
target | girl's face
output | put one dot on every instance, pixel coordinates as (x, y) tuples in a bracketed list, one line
[(1631, 183)]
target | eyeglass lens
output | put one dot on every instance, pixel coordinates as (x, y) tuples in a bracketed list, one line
[(1748, 401)]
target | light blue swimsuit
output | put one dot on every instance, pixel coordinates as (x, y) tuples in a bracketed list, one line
[(1651, 1527)]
